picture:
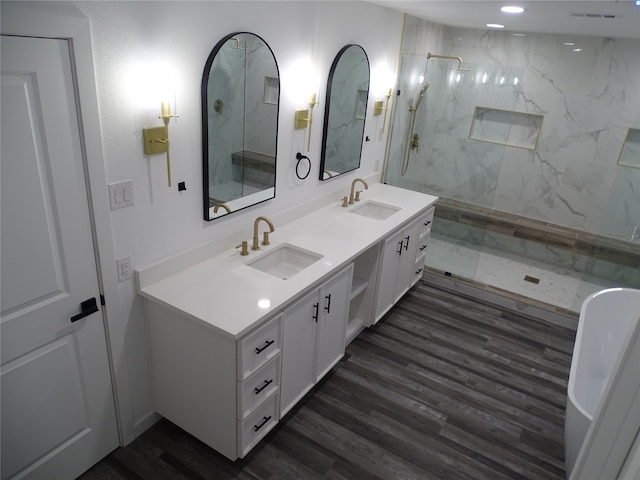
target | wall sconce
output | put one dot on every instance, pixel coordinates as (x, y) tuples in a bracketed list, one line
[(156, 139), (378, 108), (304, 118)]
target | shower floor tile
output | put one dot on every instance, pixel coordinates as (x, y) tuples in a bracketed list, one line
[(558, 286)]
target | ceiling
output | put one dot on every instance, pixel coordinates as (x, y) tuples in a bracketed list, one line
[(599, 18)]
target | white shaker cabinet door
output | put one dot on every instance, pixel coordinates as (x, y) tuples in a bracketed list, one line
[(332, 329), (298, 347)]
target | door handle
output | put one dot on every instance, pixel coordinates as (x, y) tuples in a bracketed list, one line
[(86, 308)]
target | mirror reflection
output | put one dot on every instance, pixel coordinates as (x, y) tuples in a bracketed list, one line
[(240, 99), (345, 112)]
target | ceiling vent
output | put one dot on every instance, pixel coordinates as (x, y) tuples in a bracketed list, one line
[(594, 15)]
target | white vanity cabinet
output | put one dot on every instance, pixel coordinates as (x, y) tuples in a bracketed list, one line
[(223, 391), (314, 332), (234, 348), (396, 267), (423, 244)]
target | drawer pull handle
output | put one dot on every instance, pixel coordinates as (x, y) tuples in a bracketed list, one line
[(419, 271), (315, 315), (399, 251), (427, 223), (262, 423), (257, 390), (423, 247), (268, 344), (328, 305), (406, 245)]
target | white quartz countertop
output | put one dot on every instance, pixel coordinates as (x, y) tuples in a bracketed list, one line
[(226, 294)]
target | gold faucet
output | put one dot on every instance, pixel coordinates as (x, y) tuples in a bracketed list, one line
[(353, 186), (265, 240)]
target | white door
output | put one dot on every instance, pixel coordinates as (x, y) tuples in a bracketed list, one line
[(57, 407)]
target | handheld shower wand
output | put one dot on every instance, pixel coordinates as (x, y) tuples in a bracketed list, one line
[(412, 139)]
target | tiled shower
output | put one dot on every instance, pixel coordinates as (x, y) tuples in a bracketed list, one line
[(524, 144)]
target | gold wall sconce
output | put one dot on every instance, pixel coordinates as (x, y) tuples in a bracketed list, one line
[(156, 139), (378, 108), (304, 118)]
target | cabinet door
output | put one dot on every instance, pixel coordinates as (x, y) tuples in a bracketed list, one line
[(389, 257), (332, 329), (406, 260), (298, 349)]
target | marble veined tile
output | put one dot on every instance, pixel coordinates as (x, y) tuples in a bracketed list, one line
[(558, 285), (459, 258)]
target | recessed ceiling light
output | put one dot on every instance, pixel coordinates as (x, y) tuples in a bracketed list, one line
[(512, 9), (494, 25), (577, 49), (569, 43)]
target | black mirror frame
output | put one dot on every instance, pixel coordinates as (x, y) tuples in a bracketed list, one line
[(325, 129), (205, 122)]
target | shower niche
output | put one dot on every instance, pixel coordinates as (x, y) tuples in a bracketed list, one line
[(630, 152), (506, 127)]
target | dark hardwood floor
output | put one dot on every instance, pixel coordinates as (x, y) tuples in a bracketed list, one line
[(444, 387)]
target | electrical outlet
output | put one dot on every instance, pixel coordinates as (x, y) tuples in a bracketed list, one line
[(125, 271)]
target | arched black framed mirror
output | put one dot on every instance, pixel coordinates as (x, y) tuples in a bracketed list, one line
[(345, 112), (240, 105)]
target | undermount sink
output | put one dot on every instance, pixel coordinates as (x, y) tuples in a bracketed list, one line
[(376, 210), (284, 261)]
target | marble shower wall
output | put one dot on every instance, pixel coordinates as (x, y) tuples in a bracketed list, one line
[(246, 120), (226, 127), (588, 99)]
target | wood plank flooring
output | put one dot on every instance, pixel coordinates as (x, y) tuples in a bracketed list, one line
[(444, 387)]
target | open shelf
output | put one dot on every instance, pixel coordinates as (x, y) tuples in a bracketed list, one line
[(365, 270), (354, 327), (358, 286)]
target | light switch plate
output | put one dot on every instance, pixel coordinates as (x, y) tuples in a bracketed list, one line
[(121, 194)]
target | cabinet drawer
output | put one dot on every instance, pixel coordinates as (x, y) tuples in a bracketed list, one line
[(423, 245), (425, 222), (258, 387), (257, 425), (259, 347), (418, 269)]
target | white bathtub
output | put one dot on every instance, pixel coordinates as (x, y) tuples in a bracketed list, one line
[(606, 319)]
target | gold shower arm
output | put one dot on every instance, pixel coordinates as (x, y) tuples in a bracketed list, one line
[(459, 59)]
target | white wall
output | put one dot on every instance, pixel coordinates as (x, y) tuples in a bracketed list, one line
[(181, 34)]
